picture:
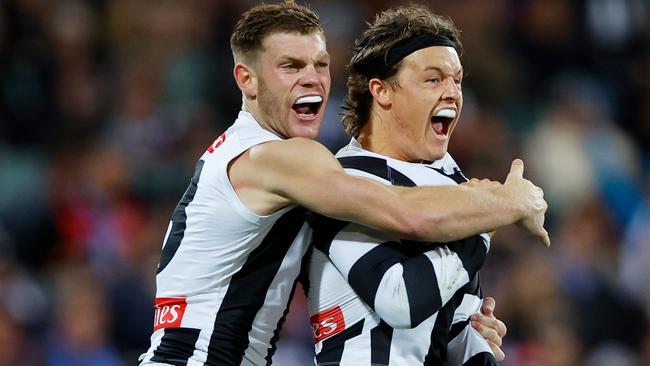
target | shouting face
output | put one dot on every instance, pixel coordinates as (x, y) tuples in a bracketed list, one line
[(425, 104), (293, 84)]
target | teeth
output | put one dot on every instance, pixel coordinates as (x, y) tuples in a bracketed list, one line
[(447, 112), (310, 99)]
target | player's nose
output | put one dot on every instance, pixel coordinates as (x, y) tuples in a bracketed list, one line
[(309, 76), (451, 90)]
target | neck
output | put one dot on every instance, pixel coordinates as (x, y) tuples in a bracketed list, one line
[(251, 106), (375, 136)]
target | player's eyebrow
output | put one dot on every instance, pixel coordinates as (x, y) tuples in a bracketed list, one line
[(324, 57), (292, 59), (436, 68)]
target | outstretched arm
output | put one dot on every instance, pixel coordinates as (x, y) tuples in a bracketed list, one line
[(273, 175)]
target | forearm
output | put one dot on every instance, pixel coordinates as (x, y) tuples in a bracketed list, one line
[(432, 213), (448, 213), (438, 213)]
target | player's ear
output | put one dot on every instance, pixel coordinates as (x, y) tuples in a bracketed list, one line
[(246, 79), (381, 92)]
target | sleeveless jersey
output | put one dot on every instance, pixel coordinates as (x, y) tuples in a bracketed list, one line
[(226, 274), (375, 299)]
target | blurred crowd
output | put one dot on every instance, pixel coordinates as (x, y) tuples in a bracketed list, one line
[(105, 105)]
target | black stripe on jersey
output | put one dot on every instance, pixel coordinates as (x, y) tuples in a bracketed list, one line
[(424, 296), (247, 290), (176, 346), (303, 276), (474, 286), (179, 218), (378, 167), (440, 333), (367, 272), (368, 164), (332, 350), (471, 251), (325, 229), (381, 337), (457, 328), (481, 359), (399, 179), (457, 176)]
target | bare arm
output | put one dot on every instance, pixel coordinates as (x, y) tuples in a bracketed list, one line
[(273, 175)]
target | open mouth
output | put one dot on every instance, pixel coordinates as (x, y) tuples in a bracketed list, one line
[(442, 120), (307, 107)]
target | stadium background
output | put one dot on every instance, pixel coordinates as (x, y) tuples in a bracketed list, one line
[(106, 105)]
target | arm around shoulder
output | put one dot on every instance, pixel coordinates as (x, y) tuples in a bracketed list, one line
[(304, 172)]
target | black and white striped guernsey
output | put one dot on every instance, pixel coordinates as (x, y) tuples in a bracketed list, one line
[(378, 300), (226, 275)]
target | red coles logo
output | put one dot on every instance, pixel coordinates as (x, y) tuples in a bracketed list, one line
[(220, 140), (327, 323), (168, 312)]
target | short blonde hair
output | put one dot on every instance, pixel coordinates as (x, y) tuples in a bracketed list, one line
[(262, 20)]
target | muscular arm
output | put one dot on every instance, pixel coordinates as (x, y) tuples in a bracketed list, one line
[(273, 175)]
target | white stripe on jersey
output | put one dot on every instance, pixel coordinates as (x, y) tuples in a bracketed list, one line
[(410, 346), (450, 271), (465, 345), (391, 300), (471, 304)]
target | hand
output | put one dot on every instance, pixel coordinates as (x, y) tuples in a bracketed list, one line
[(532, 198), (491, 328)]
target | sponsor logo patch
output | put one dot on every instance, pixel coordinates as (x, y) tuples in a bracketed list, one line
[(220, 140), (168, 312), (327, 323)]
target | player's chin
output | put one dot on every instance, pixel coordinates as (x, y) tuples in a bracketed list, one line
[(307, 130), (437, 155), (435, 150)]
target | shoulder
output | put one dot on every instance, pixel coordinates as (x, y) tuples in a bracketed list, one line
[(285, 146), (292, 150)]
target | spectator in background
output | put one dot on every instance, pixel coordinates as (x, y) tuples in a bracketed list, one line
[(80, 334), (18, 347)]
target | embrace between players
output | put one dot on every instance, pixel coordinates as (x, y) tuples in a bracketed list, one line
[(387, 240)]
